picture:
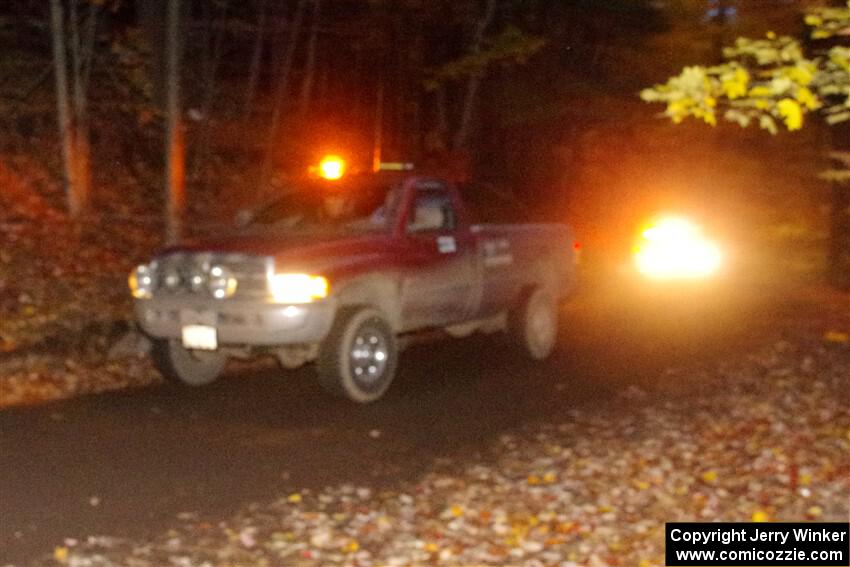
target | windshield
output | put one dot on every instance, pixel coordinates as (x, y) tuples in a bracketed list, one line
[(341, 207)]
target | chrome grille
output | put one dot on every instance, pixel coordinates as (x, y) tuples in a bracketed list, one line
[(189, 272)]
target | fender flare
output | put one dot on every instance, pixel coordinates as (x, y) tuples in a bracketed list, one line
[(377, 291)]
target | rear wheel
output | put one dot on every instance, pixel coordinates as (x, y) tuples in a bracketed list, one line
[(534, 324), (187, 367), (358, 358)]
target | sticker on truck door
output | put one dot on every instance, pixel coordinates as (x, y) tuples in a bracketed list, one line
[(497, 252), (446, 244)]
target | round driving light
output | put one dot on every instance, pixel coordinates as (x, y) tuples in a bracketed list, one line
[(196, 281), (141, 282), (171, 279), (221, 283)]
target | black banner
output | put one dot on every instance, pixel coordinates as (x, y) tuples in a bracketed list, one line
[(806, 544)]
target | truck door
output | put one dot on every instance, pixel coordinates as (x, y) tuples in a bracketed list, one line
[(439, 283)]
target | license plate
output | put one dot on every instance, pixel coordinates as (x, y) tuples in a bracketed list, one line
[(200, 337)]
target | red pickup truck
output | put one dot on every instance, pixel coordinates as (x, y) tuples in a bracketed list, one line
[(344, 275)]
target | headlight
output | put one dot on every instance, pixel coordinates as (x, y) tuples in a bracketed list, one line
[(298, 288), (674, 248), (142, 281), (222, 284)]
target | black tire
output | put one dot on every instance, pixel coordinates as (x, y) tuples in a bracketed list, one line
[(184, 367), (533, 324), (358, 359)]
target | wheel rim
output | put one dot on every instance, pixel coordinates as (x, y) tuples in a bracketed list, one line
[(368, 356)]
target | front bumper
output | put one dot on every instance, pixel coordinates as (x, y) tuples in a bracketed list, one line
[(237, 322)]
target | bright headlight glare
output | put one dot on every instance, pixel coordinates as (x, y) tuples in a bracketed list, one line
[(298, 288), (674, 248), (141, 282)]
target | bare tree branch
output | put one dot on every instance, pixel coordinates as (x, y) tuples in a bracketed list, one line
[(474, 83), (256, 58), (282, 92), (88, 44), (310, 65)]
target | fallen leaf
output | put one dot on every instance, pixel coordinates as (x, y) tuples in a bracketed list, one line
[(836, 337), (60, 554), (761, 516)]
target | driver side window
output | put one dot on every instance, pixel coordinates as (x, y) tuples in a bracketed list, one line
[(431, 212)]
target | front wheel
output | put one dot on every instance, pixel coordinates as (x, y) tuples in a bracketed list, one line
[(187, 367), (534, 324), (358, 358)]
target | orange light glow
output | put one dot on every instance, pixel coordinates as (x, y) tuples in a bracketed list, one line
[(332, 167), (675, 248)]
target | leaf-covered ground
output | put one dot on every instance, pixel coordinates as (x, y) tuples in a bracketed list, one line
[(63, 296), (767, 436), (767, 439)]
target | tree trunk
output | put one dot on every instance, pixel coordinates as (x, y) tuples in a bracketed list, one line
[(152, 17), (204, 141), (256, 59), (839, 238), (474, 83), (88, 44), (281, 93), (175, 150), (80, 61), (442, 117), (310, 65), (378, 142), (838, 248), (413, 101), (63, 111)]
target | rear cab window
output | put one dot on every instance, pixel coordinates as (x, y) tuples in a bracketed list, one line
[(431, 211)]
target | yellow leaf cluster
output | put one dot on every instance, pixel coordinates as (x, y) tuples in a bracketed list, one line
[(791, 113), (734, 84), (807, 99), (766, 82), (800, 74)]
